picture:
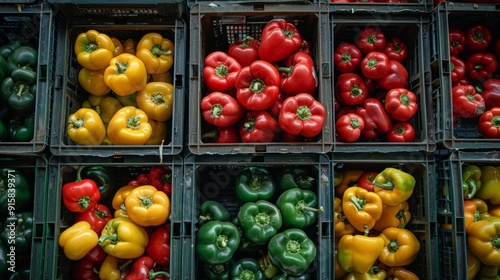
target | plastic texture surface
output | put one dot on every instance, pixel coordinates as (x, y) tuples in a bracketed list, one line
[(382, 7)]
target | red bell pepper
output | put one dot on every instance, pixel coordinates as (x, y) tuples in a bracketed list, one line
[(159, 245), (220, 71), (96, 254), (369, 131), (370, 39), (467, 103), (457, 67), (258, 86), (245, 51), (489, 123), (302, 115), (346, 57), (350, 89), (349, 127), (345, 110), (306, 47), (462, 82), (491, 93), (258, 126), (378, 114), (457, 41), (480, 65), (401, 132), (161, 178), (477, 38), (375, 65), (298, 75), (220, 109), (142, 269), (84, 269), (396, 49), (274, 110), (228, 134), (366, 180), (280, 39), (80, 195), (396, 78), (401, 104), (97, 216), (141, 180)]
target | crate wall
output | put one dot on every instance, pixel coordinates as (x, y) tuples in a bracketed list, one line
[(382, 7)]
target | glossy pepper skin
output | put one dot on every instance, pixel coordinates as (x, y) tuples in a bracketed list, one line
[(471, 180), (349, 127), (111, 269), (161, 178), (489, 123), (158, 134), (457, 68), (302, 115), (490, 182), (350, 89), (477, 38), (398, 272), (142, 269), (220, 72), (346, 57), (396, 49), (480, 65), (102, 176), (106, 106), (19, 90), (258, 126), (491, 93), (483, 240), (129, 126), (247, 268), (280, 39), (375, 65), (349, 179), (22, 58), (457, 41), (6, 49), (396, 216), (146, 206), (94, 50), (370, 39), (123, 239), (341, 224), (257, 86), (21, 127), (93, 81), (97, 216), (358, 253), (221, 109), (216, 242), (375, 110), (80, 195), (18, 231), (228, 134), (374, 273), (125, 74), (362, 208), (394, 186), (259, 221), (473, 266), (245, 51), (21, 191), (401, 104), (401, 247), (298, 75), (297, 177), (254, 183), (78, 240), (156, 100), (211, 210), (156, 52), (159, 245), (298, 208), (120, 196), (467, 103), (85, 127), (397, 77), (401, 132), (217, 271)]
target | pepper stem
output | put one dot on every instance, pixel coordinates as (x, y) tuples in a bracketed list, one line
[(402, 218), (153, 274), (157, 98), (146, 201), (22, 88), (255, 183), (387, 185), (496, 242), (358, 202), (134, 122), (113, 238), (371, 63), (247, 274), (100, 214), (77, 123), (293, 247), (157, 51), (288, 70), (262, 219), (302, 207), (91, 47), (257, 85), (356, 91), (207, 217), (355, 123), (121, 67), (404, 99), (221, 70), (393, 245), (472, 188), (495, 121), (79, 173), (303, 113), (221, 241), (346, 57), (84, 202), (216, 110)]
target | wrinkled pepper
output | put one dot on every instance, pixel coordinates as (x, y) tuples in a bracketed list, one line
[(259, 221), (246, 268), (146, 206), (142, 269), (156, 52), (94, 50), (490, 184), (125, 74), (298, 208), (401, 247), (81, 194), (78, 240), (21, 191), (216, 242), (18, 231), (362, 208), (123, 239), (358, 253), (254, 183), (297, 177), (211, 210), (106, 106), (341, 224), (156, 100), (93, 81), (393, 216), (129, 126), (471, 180), (85, 127), (394, 186), (18, 90)]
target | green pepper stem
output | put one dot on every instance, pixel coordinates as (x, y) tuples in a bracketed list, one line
[(477, 216), (20, 89), (153, 274), (112, 237), (262, 219), (402, 217), (356, 90), (302, 207), (257, 85), (288, 70), (247, 274), (122, 267), (293, 247), (79, 173), (387, 185), (221, 71), (157, 51), (134, 122), (100, 214), (346, 57), (367, 230), (358, 202), (206, 217), (221, 241), (77, 123), (303, 113), (472, 188), (146, 201), (216, 110), (121, 67), (393, 246), (84, 202)]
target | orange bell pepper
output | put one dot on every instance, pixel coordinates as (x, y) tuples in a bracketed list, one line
[(401, 247), (393, 216), (362, 208)]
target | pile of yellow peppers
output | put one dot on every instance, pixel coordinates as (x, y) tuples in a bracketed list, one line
[(370, 216), (130, 90)]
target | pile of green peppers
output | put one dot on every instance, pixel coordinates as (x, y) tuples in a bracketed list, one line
[(18, 77), (268, 236)]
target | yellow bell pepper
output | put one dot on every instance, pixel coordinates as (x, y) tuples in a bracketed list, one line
[(393, 216), (129, 126), (111, 268), (121, 213), (146, 206), (86, 127), (473, 266), (341, 224), (339, 273), (161, 77), (401, 247), (129, 46), (375, 273), (125, 74), (362, 208), (156, 52), (350, 179), (358, 253), (160, 130), (484, 240), (93, 81), (156, 100), (123, 239), (118, 46), (106, 106), (94, 50), (120, 195), (78, 240)]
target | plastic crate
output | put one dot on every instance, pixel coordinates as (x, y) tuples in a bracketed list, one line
[(35, 168), (421, 203), (413, 29), (63, 170), (213, 28), (213, 178), (222, 2), (68, 95), (411, 6), (33, 25), (464, 134)]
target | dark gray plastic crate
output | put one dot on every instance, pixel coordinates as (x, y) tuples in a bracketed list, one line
[(410, 6)]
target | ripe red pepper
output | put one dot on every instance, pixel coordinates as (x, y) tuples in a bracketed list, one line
[(350, 89), (401, 132), (346, 57), (375, 65), (396, 49), (480, 65), (280, 39), (220, 109), (371, 85), (83, 269), (302, 115), (141, 180), (258, 126), (258, 86), (457, 68), (396, 78), (142, 269), (457, 41), (370, 39), (462, 82), (306, 47), (298, 75), (228, 134), (366, 180), (96, 254), (159, 245), (377, 112), (370, 129), (401, 104), (477, 38), (220, 71), (97, 216), (245, 51), (491, 93), (349, 127), (80, 195), (467, 103), (274, 110), (345, 110), (489, 123), (161, 178)]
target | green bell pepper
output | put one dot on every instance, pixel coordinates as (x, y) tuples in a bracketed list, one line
[(245, 245), (217, 271), (254, 183), (18, 231), (247, 269), (3, 132), (490, 184), (3, 259), (292, 251), (24, 57), (471, 180), (212, 210), (304, 276), (296, 177), (216, 242), (19, 90), (14, 184), (259, 221), (7, 49), (20, 275), (3, 68), (21, 128), (298, 208), (103, 177)]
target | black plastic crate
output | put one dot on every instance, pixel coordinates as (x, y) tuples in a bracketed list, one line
[(68, 95), (421, 203), (410, 6), (213, 178), (31, 24), (413, 30), (63, 170), (215, 28)]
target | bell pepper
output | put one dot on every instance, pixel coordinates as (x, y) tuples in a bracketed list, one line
[(370, 39), (129, 126), (229, 134), (258, 126), (473, 266), (488, 272), (279, 40), (247, 268), (113, 269), (490, 182), (121, 194), (118, 46), (146, 206), (375, 65), (78, 240), (457, 69), (396, 216), (18, 231), (259, 221), (106, 106), (401, 132), (211, 210), (470, 213), (489, 123), (292, 251), (93, 81), (477, 38), (245, 51), (21, 191), (401, 104), (257, 85), (156, 52), (6, 49), (217, 271), (86, 127), (338, 272), (350, 178), (375, 109), (397, 272), (96, 254), (127, 100), (220, 72), (370, 129), (19, 90), (471, 180), (483, 240), (401, 247), (480, 65), (80, 195), (254, 183), (161, 178), (97, 216), (366, 179), (396, 78), (341, 224), (83, 269), (373, 274), (142, 269), (102, 176), (21, 127), (298, 208), (129, 46), (394, 186), (362, 208), (350, 89), (216, 242), (125, 74), (467, 103), (346, 57), (156, 100), (221, 109), (457, 41), (396, 49), (302, 115), (298, 75), (270, 270), (94, 50), (22, 58), (349, 127), (296, 177), (123, 239), (158, 134), (358, 253), (491, 93)]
